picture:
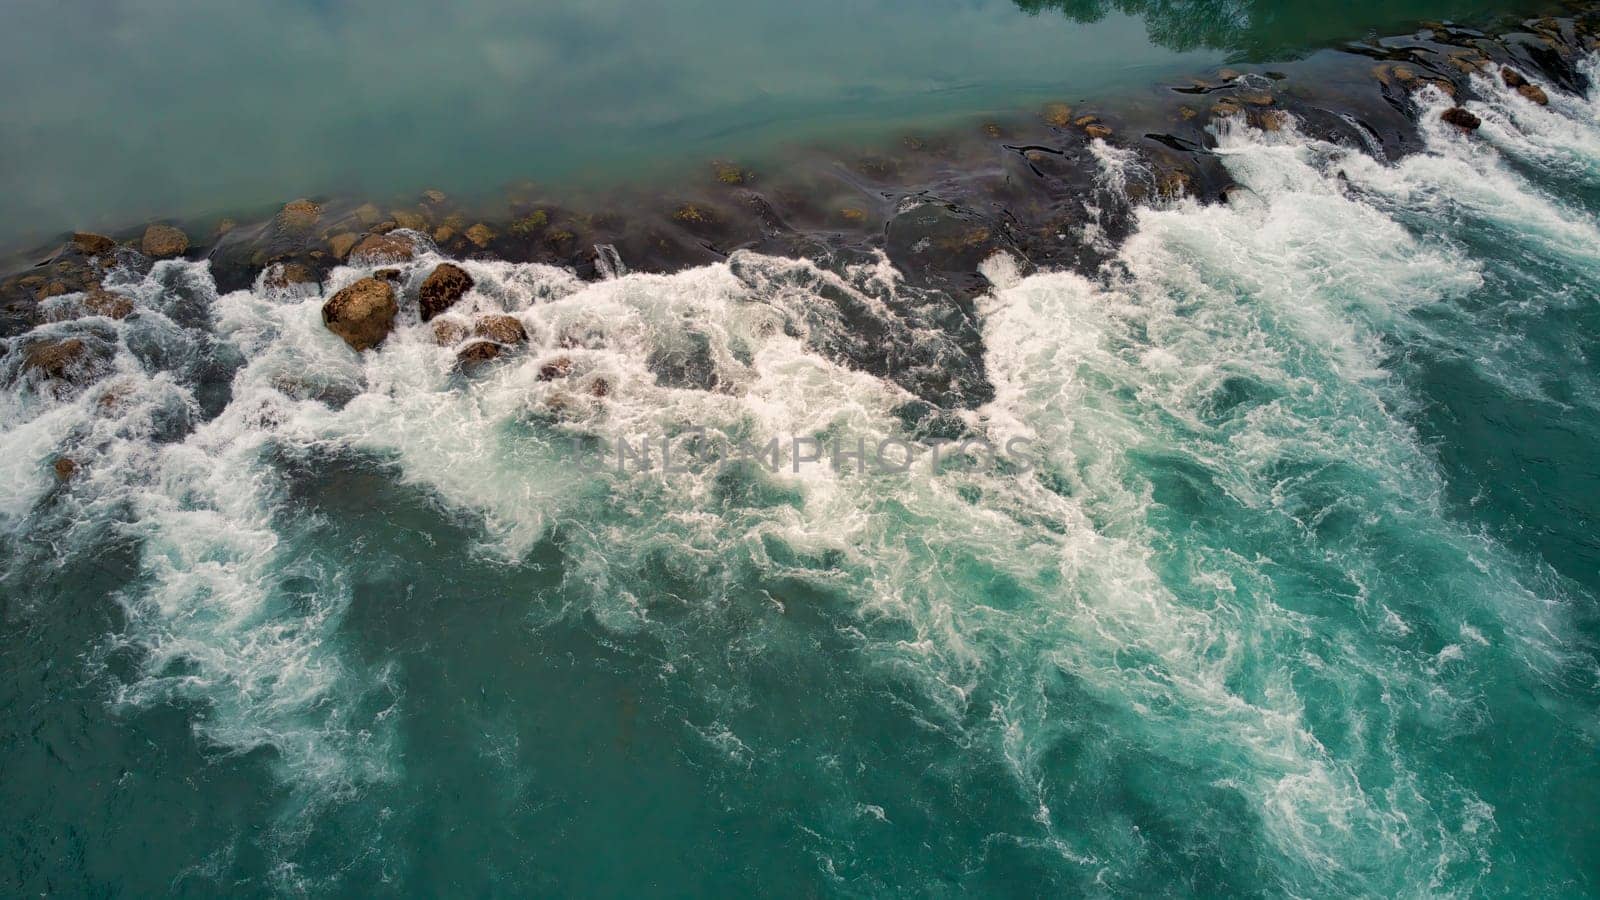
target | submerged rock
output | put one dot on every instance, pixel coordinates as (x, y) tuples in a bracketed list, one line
[(341, 244), (91, 244), (55, 359), (60, 366), (446, 284), (1461, 118), (101, 302), (65, 468), (281, 276), (163, 241), (299, 214), (363, 313), (560, 367), (480, 235)]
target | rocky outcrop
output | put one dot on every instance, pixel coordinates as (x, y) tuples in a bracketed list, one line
[(363, 313), (446, 284), (164, 241), (65, 468)]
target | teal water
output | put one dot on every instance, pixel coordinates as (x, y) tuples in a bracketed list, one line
[(116, 112), (1298, 599)]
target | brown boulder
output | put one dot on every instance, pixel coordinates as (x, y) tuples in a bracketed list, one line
[(363, 313), (64, 468), (163, 241), (499, 327), (480, 235), (446, 284), (1460, 118), (388, 247)]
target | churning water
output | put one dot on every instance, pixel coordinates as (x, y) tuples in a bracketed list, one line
[(1297, 597)]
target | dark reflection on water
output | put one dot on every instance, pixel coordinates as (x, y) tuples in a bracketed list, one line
[(1266, 29)]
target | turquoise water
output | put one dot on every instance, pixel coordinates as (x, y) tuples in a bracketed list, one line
[(118, 112), (1296, 594)]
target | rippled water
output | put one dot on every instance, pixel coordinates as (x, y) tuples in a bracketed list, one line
[(1299, 600)]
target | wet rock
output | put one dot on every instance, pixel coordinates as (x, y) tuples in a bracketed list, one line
[(478, 352), (390, 275), (449, 332), (1461, 118), (61, 365), (446, 284), (480, 235), (91, 244), (1515, 80), (407, 219), (225, 226), (599, 387), (100, 302), (1096, 130), (434, 196), (65, 468), (560, 367), (387, 247), (500, 327), (299, 215), (282, 276), (1058, 114), (443, 234), (341, 244), (164, 241), (1269, 119), (362, 314), (368, 215)]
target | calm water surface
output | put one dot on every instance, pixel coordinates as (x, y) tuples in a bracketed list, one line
[(117, 111)]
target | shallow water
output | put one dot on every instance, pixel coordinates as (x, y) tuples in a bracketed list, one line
[(1295, 595), (117, 112)]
